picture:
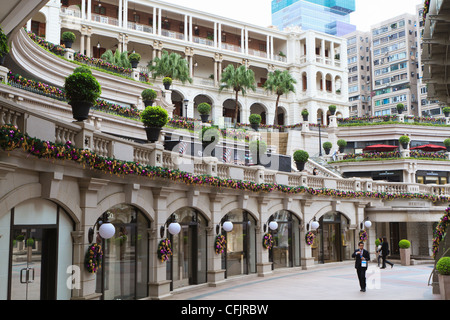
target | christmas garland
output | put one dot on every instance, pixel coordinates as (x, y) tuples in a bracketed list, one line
[(220, 244), (441, 231), (11, 139), (309, 238), (363, 235), (93, 258), (164, 250), (268, 241)]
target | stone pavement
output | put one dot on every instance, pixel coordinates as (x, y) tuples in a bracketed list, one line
[(336, 281)]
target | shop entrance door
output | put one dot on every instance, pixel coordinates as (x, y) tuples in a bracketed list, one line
[(32, 272)]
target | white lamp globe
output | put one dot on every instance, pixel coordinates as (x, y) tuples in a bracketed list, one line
[(273, 225), (227, 226), (107, 230), (174, 228), (315, 225), (368, 224)]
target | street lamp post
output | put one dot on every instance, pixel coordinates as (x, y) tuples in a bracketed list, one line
[(186, 102)]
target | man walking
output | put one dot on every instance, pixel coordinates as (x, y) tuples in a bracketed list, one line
[(385, 253), (361, 263)]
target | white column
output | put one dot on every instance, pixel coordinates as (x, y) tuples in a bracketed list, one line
[(154, 20), (89, 10), (271, 47), (29, 25), (268, 46), (246, 40), (120, 13), (190, 29), (82, 42), (242, 41), (219, 35), (322, 50), (186, 30), (125, 14), (216, 80), (83, 9), (332, 53), (215, 35), (159, 20), (88, 45)]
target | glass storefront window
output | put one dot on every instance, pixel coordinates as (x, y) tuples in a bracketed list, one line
[(286, 249)]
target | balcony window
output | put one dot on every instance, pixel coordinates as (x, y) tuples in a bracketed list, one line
[(99, 10)]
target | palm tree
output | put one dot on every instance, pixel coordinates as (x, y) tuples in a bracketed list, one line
[(238, 79), (170, 65), (280, 82), (117, 58)]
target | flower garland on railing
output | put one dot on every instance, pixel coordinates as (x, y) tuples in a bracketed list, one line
[(220, 244), (426, 9), (99, 63), (35, 86), (373, 155), (363, 235), (268, 240), (11, 139), (93, 259), (55, 48), (440, 231), (309, 238), (428, 155), (164, 250)]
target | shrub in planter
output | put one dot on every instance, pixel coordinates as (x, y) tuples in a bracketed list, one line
[(300, 158), (82, 91), (154, 118), (148, 96), (443, 269), (305, 115), (446, 111), (447, 144), (443, 266), (255, 121), (404, 140), (327, 147), (4, 48), (400, 108), (332, 109), (257, 148), (204, 109), (405, 252), (341, 144), (134, 59), (82, 69), (68, 38), (167, 82)]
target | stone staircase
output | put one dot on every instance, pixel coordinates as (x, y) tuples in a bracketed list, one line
[(325, 164)]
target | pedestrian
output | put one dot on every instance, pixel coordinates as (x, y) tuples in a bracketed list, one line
[(335, 153), (380, 240), (315, 172), (385, 253), (361, 263)]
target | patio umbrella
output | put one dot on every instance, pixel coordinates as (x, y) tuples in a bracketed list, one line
[(380, 148), (430, 148)]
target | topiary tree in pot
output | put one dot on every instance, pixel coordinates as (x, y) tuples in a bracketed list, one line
[(332, 109), (300, 158), (405, 252), (257, 148), (327, 147), (255, 121), (82, 91), (305, 115), (341, 144), (400, 108), (148, 96), (443, 269), (447, 144), (68, 38), (446, 111), (204, 109), (134, 59), (404, 141), (154, 118)]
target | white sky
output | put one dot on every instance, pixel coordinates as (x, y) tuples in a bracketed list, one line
[(258, 12)]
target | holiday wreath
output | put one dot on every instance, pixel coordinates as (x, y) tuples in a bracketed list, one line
[(363, 235), (164, 250), (93, 258), (310, 238), (268, 241), (220, 244)]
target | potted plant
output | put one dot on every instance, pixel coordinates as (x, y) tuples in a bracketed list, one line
[(167, 81), (400, 108), (327, 147), (305, 115), (405, 252), (148, 96), (134, 59), (443, 269), (204, 109), (257, 148), (332, 109), (82, 91), (404, 141), (300, 158), (341, 144), (446, 111), (4, 48), (154, 118), (255, 121), (82, 69), (447, 144), (209, 137), (68, 38)]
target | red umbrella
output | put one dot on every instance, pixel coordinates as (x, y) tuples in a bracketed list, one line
[(380, 148), (430, 148)]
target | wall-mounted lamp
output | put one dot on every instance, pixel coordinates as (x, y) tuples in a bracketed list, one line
[(314, 224), (273, 225), (105, 228), (366, 223), (172, 226), (226, 225), (98, 45)]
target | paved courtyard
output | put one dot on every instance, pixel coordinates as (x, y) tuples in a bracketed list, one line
[(325, 282)]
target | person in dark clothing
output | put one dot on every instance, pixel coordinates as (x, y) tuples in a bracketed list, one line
[(361, 263), (385, 253)]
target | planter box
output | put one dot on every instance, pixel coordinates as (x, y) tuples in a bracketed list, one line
[(444, 286), (405, 257)]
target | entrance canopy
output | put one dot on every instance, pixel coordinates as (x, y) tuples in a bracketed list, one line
[(380, 148)]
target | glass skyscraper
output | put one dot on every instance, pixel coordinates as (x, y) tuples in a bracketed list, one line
[(328, 16)]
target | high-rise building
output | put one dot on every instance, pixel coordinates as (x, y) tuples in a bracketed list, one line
[(328, 16)]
